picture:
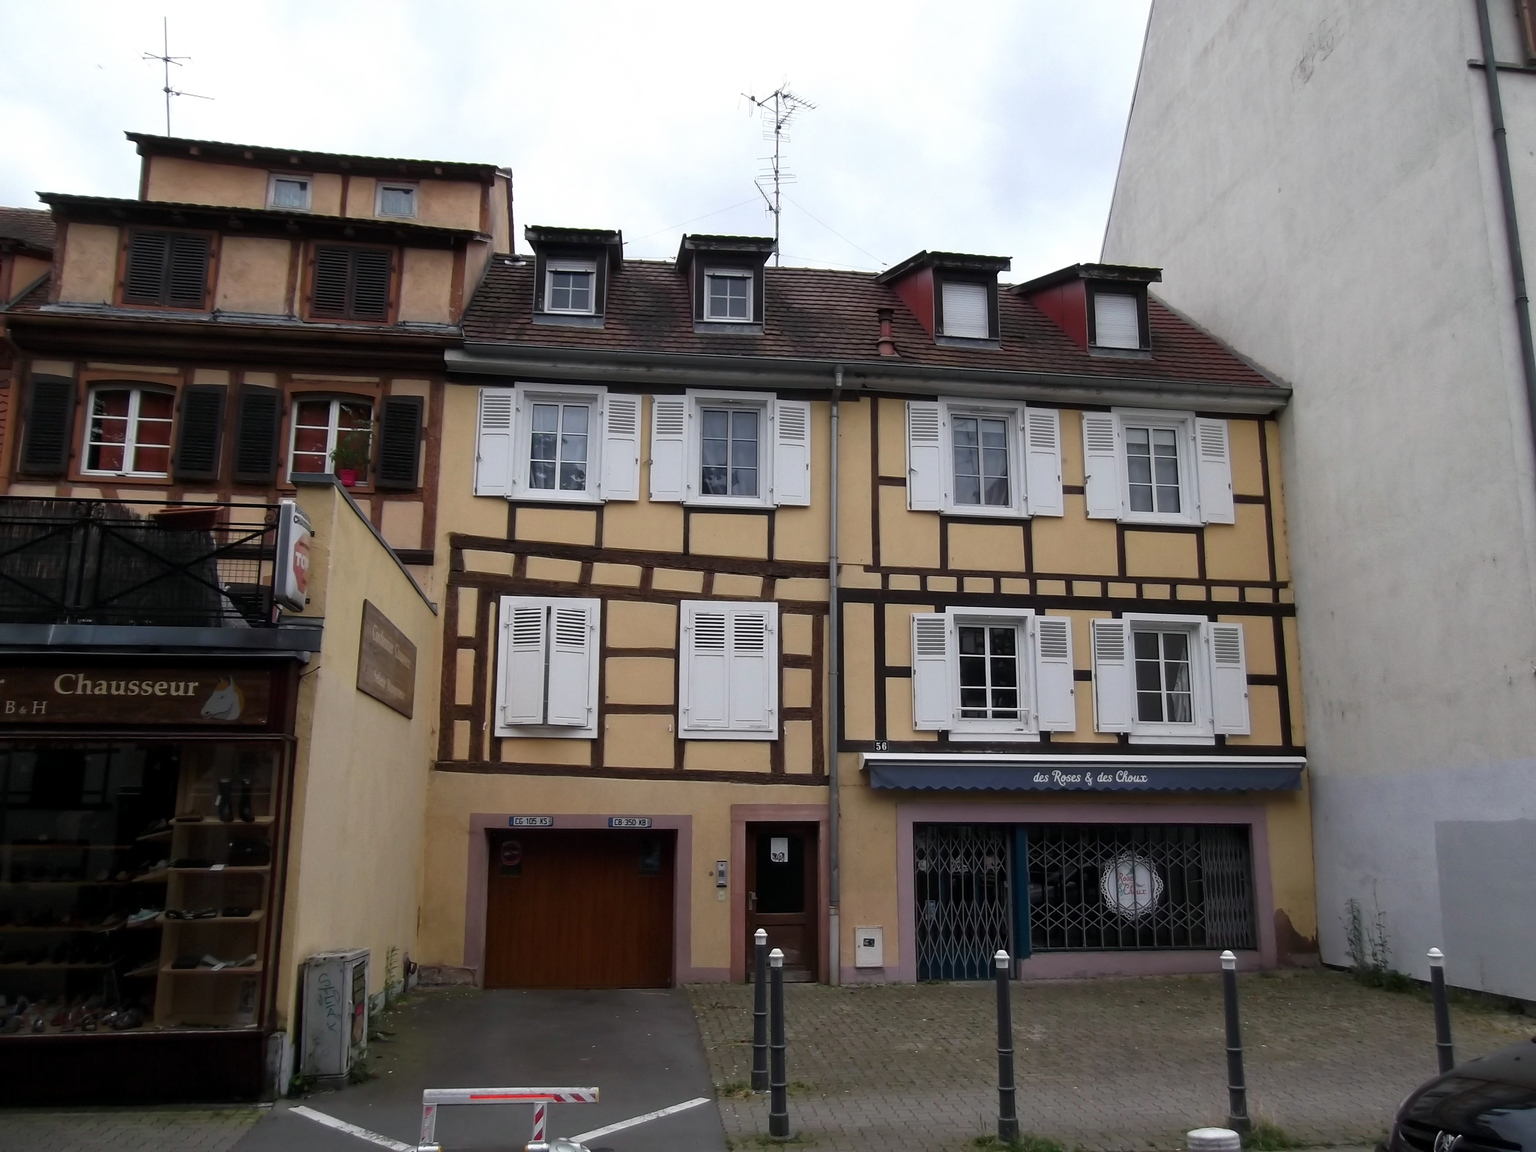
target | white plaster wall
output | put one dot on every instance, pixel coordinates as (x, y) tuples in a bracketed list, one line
[(1316, 180)]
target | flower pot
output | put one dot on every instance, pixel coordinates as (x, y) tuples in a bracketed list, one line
[(347, 476)]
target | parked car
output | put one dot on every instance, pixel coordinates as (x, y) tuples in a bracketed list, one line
[(1480, 1105)]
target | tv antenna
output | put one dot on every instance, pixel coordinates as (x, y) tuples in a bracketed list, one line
[(166, 59), (778, 108)]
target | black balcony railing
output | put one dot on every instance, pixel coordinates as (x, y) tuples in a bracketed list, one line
[(66, 561)]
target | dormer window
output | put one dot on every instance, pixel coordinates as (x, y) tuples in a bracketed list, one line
[(570, 286), (288, 193), (1116, 320), (728, 295), (966, 310), (397, 200)]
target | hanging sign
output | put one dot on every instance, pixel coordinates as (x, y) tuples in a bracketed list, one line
[(1131, 886), (386, 662), (778, 849), (290, 576)]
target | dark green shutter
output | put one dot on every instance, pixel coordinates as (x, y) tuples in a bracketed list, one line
[(256, 434), (50, 418), (370, 284), (350, 283), (167, 268), (144, 281), (199, 432), (187, 273), (399, 450), (328, 292)]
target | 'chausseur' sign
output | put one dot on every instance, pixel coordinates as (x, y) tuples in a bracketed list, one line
[(133, 696)]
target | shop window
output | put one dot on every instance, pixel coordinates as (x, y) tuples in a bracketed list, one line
[(734, 449), (1154, 467), (554, 443), (328, 432), (983, 459), (728, 685), (128, 432), (992, 674), (135, 884), (1169, 679)]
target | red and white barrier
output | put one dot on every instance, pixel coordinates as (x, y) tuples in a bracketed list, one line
[(540, 1098)]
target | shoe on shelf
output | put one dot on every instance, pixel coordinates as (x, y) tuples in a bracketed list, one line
[(144, 916), (225, 805), (247, 813)]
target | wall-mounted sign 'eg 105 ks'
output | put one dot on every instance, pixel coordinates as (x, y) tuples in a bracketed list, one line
[(290, 577)]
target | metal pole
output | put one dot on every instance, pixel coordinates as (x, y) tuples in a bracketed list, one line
[(1443, 1049), (1237, 1087), (1007, 1115), (760, 1011), (834, 695), (778, 1087)]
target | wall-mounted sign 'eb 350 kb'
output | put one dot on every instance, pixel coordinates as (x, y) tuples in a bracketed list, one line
[(290, 578)]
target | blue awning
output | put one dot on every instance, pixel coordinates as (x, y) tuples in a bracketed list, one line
[(1004, 773)]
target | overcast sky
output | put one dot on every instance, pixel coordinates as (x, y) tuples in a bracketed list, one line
[(961, 125)]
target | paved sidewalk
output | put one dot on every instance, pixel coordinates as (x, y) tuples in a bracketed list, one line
[(1106, 1064), (196, 1128)]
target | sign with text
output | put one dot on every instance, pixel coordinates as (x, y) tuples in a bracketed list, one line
[(629, 821), (133, 696), (531, 821), (386, 662), (290, 576)]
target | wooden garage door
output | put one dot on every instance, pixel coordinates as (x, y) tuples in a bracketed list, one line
[(580, 910)]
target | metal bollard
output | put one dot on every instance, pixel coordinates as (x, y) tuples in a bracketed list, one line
[(1443, 1049), (760, 1011), (1007, 1115), (778, 1087), (1237, 1088)]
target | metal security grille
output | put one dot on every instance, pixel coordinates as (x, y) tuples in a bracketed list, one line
[(963, 914), (1109, 887)]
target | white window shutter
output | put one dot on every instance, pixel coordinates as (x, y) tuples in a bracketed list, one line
[(925, 456), (965, 310), (933, 708), (792, 452), (1101, 465), (704, 685), (523, 642), (621, 447), (571, 644), (1114, 699), (1042, 455), (493, 445), (1215, 471), (669, 448), (753, 673), (1229, 678), (1055, 692)]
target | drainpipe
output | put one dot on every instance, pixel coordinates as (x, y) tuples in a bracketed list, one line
[(1511, 224), (835, 705)]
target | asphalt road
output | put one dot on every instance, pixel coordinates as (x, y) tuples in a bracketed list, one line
[(640, 1048)]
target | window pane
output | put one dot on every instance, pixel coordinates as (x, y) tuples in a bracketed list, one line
[(715, 452), (573, 477), (290, 193), (973, 641), (546, 417), (743, 481), (350, 416), (397, 201), (712, 481), (155, 405), (574, 418), (717, 422)]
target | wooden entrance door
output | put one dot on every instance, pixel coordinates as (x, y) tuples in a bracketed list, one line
[(782, 894), (579, 909)]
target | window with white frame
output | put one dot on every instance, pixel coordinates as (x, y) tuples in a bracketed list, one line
[(288, 193), (570, 286), (1157, 467), (735, 449), (728, 683), (1116, 320), (1170, 679), (395, 200), (128, 432), (554, 442), (992, 674), (983, 458), (728, 295), (330, 432), (966, 309), (546, 667)]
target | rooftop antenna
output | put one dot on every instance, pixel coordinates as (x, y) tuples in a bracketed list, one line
[(778, 108), (166, 59)]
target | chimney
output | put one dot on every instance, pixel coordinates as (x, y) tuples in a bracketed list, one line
[(886, 344)]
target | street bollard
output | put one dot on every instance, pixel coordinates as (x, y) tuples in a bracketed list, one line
[(1237, 1088), (1007, 1115), (778, 1087), (760, 1011), (1443, 1049)]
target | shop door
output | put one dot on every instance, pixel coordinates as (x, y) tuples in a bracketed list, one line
[(781, 894), (579, 909)]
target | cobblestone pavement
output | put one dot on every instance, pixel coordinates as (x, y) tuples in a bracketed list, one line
[(189, 1129), (1124, 1064)]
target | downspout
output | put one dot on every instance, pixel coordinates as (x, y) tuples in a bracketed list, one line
[(834, 709), (1511, 224)]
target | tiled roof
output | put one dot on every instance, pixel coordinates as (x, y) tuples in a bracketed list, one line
[(32, 226), (818, 314), (150, 144)]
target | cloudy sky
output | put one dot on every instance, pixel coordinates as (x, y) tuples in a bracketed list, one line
[(988, 126)]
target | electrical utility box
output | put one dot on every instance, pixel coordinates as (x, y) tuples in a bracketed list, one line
[(869, 947), (335, 1022)]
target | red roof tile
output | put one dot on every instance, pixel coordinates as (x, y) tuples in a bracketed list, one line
[(819, 314)]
